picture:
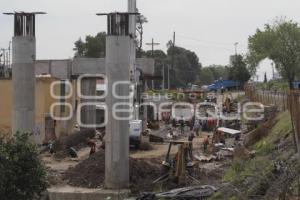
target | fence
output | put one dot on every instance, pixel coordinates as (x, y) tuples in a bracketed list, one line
[(267, 97), (284, 100)]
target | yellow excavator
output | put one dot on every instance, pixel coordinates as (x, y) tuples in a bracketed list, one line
[(179, 165), (228, 103)]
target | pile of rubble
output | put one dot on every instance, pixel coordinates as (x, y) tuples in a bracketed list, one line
[(91, 172)]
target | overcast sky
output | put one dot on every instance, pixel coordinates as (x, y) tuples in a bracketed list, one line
[(208, 27)]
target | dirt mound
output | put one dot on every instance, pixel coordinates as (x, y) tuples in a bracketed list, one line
[(145, 146), (91, 172)]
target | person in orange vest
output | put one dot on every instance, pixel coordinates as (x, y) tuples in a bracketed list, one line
[(92, 144)]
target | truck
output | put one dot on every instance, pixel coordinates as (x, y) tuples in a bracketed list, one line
[(223, 85)]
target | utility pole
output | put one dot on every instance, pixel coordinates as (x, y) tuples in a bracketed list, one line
[(235, 46), (7, 60), (9, 54), (4, 56), (173, 46), (152, 53), (163, 73), (168, 77), (152, 44), (172, 58), (273, 73)]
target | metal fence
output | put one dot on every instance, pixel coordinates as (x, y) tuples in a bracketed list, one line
[(284, 100), (267, 97)]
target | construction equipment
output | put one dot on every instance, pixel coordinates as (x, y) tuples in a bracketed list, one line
[(179, 165), (211, 98), (228, 103), (222, 133)]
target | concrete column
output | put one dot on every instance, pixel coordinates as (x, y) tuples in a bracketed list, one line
[(88, 113), (132, 66), (132, 18), (23, 77), (117, 131)]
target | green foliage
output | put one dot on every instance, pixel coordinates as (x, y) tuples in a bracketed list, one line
[(92, 47), (22, 175), (140, 21), (214, 72), (255, 177), (278, 85), (282, 128), (186, 67), (279, 42), (238, 71)]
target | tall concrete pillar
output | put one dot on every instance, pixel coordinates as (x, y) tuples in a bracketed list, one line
[(118, 54), (23, 72), (23, 78)]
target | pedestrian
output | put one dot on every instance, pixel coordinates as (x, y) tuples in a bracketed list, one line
[(197, 126), (205, 143)]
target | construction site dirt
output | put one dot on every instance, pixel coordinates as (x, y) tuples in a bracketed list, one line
[(145, 167)]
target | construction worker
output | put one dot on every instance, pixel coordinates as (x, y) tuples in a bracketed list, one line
[(190, 139), (205, 143), (181, 122), (222, 138), (92, 144)]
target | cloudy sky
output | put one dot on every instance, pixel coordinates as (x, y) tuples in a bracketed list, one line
[(208, 27)]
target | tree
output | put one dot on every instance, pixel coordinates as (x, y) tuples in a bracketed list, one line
[(186, 66), (213, 72), (92, 47), (279, 42), (238, 71), (22, 174), (140, 21)]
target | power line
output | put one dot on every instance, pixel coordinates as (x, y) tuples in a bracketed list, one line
[(208, 42), (189, 71), (205, 46)]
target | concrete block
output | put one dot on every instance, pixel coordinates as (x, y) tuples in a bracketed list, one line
[(88, 66)]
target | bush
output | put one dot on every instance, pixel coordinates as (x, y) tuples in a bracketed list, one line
[(22, 174)]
